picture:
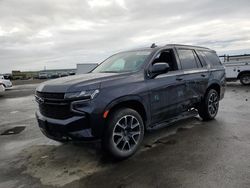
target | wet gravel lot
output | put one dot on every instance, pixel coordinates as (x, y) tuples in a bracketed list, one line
[(190, 153)]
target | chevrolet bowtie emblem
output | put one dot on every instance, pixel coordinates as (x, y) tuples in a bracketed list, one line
[(40, 100)]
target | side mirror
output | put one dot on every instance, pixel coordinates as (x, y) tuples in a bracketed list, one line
[(159, 68)]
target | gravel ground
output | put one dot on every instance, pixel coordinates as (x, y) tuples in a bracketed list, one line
[(190, 153)]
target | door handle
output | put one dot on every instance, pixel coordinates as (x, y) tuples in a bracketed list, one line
[(203, 75), (179, 78)]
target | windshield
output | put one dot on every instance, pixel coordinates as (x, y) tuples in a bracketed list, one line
[(123, 62)]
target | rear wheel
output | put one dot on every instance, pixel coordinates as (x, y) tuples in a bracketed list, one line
[(209, 106), (245, 79), (124, 133)]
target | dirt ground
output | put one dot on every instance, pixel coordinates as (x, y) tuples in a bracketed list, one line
[(190, 153)]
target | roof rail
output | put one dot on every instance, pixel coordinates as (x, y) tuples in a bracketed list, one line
[(182, 45)]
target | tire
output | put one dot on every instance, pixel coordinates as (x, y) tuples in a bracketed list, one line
[(124, 133), (209, 105), (245, 79)]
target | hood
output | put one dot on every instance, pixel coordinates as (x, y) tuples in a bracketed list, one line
[(78, 82)]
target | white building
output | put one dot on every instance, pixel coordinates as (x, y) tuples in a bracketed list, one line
[(85, 68)]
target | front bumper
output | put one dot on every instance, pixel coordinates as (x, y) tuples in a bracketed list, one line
[(76, 128)]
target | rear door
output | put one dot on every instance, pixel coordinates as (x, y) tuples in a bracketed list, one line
[(195, 75)]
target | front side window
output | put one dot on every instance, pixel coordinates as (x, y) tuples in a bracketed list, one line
[(123, 62), (187, 59), (167, 56)]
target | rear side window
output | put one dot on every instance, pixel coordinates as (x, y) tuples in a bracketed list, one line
[(187, 58), (202, 58), (212, 58)]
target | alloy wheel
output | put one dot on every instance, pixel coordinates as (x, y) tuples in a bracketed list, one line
[(213, 104), (126, 133)]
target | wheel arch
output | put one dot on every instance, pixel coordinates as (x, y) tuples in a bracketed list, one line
[(216, 86), (134, 102), (242, 73)]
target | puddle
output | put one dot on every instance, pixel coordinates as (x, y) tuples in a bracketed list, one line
[(15, 130)]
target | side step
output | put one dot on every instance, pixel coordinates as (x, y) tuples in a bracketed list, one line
[(185, 115)]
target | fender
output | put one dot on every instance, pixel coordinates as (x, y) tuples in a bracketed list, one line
[(221, 84), (131, 98)]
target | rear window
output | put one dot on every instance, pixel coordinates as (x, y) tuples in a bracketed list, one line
[(187, 58), (211, 58)]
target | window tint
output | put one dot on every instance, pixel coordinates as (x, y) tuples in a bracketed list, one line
[(197, 59), (187, 59), (202, 58), (212, 58), (167, 56)]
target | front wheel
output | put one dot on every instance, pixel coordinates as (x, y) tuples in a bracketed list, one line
[(209, 106), (245, 79), (124, 133)]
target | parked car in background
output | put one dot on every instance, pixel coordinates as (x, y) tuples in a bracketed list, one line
[(64, 74), (54, 75), (5, 82), (43, 75), (71, 73), (130, 93), (2, 89)]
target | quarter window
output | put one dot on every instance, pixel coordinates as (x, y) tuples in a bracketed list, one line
[(212, 58), (187, 59), (202, 58)]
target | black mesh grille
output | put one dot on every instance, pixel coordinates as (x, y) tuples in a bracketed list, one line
[(55, 111), (50, 95), (53, 105)]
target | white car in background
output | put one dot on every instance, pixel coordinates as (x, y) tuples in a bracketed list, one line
[(6, 83), (2, 89)]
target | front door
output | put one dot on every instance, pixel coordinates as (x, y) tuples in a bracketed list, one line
[(167, 91)]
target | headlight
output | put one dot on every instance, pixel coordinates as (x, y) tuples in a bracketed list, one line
[(91, 94)]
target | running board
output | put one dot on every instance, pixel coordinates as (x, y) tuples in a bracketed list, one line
[(185, 115)]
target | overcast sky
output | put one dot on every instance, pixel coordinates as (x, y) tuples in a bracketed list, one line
[(62, 33)]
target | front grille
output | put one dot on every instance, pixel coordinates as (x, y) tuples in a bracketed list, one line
[(50, 95), (55, 111), (53, 106)]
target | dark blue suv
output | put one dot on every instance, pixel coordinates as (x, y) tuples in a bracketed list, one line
[(132, 92)]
